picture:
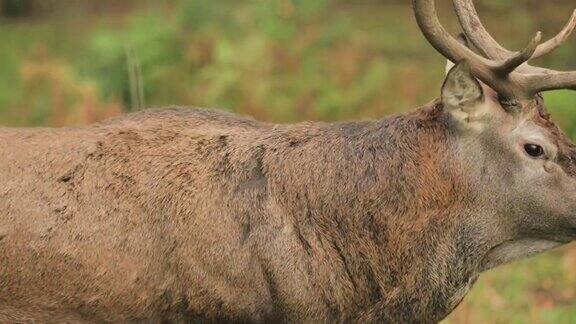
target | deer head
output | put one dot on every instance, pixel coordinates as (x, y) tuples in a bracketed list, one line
[(522, 166)]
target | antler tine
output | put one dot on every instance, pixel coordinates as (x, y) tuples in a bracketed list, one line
[(427, 19), (504, 71), (553, 43), (509, 65), (494, 73), (439, 38), (477, 33), (555, 80), (481, 38)]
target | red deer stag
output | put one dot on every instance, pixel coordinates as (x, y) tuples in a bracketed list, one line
[(196, 215)]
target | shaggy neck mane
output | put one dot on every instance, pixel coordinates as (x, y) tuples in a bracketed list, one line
[(359, 195)]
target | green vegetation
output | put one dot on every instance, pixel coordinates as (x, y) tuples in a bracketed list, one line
[(276, 60)]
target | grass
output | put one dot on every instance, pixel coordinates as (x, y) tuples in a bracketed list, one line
[(538, 290)]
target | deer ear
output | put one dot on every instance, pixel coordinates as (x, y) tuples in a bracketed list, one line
[(461, 91), (449, 66)]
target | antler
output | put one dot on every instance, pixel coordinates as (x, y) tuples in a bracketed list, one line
[(505, 71)]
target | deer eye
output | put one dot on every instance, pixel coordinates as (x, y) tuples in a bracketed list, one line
[(534, 150)]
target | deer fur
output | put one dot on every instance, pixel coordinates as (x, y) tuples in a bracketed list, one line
[(192, 215), (189, 214)]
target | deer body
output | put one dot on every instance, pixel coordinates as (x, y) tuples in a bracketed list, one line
[(182, 214), (197, 215)]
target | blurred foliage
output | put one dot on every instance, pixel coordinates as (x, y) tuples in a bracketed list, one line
[(71, 62)]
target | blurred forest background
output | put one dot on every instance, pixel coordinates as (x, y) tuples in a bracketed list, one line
[(72, 62)]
